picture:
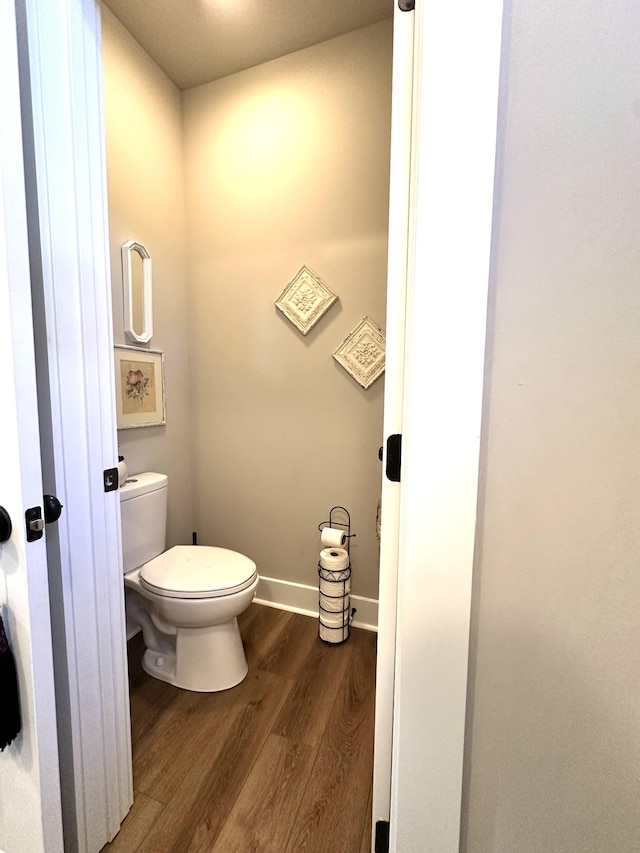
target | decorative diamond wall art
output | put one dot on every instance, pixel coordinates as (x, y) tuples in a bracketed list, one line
[(305, 299), (362, 352)]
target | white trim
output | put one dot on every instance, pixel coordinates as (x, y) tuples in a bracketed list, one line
[(458, 61), (399, 227), (301, 598)]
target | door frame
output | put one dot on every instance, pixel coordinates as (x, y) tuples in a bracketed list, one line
[(400, 187), (455, 93), (443, 350)]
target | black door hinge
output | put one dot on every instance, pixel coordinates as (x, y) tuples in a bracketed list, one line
[(406, 5), (382, 836), (394, 457), (110, 479)]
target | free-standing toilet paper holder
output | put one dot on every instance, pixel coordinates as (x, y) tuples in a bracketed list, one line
[(334, 606), (346, 525)]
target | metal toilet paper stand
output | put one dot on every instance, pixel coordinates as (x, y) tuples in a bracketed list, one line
[(340, 580)]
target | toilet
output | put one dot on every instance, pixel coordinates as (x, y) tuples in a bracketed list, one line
[(186, 600)]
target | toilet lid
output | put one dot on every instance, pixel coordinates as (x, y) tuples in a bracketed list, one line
[(198, 571)]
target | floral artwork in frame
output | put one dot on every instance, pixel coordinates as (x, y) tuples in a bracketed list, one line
[(139, 387)]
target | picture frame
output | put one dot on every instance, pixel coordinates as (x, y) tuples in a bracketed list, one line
[(140, 395)]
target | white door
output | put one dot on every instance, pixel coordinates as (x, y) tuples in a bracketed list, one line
[(446, 211), (60, 48), (30, 811)]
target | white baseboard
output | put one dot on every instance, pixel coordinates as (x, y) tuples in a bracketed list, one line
[(300, 598)]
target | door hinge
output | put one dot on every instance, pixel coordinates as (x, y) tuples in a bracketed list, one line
[(406, 5), (382, 836), (110, 479), (394, 457)]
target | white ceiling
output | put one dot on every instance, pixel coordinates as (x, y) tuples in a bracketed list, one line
[(196, 41)]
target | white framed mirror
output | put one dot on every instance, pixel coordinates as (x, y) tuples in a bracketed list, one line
[(137, 291)]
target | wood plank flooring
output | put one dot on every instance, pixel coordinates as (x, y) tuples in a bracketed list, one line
[(280, 764)]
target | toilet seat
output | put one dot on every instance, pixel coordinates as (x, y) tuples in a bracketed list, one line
[(198, 571)]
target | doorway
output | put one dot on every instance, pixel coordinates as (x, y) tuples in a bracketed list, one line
[(278, 166), (52, 27)]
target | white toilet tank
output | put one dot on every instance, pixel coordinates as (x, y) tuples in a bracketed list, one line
[(143, 507)]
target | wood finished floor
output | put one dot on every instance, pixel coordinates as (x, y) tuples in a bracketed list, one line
[(282, 763)]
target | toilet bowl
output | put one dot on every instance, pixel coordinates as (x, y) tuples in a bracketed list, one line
[(186, 599)]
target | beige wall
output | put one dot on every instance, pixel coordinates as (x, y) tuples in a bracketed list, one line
[(146, 203), (287, 164), (553, 751)]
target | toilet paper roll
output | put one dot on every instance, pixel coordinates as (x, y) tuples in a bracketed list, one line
[(330, 635), (328, 587), (333, 538), (334, 620), (338, 576), (334, 558), (333, 604)]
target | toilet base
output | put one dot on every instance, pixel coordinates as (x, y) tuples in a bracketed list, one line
[(205, 660)]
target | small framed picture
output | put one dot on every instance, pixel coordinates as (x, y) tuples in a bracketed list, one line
[(139, 387)]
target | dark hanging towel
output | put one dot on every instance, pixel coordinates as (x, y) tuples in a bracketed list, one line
[(9, 700)]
